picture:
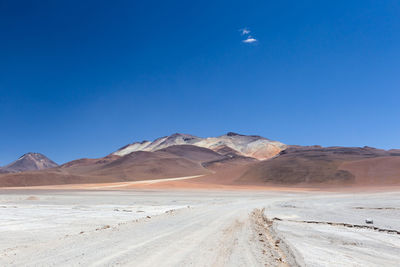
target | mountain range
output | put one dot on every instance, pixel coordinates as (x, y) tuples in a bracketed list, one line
[(230, 159), (246, 145)]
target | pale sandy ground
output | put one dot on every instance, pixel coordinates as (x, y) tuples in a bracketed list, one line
[(48, 227)]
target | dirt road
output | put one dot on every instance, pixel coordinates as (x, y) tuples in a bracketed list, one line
[(220, 232)]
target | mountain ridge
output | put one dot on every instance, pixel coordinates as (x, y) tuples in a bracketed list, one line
[(229, 159), (246, 145)]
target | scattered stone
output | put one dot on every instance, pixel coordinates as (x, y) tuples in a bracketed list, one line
[(369, 221)]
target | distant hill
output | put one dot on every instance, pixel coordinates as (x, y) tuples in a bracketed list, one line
[(174, 161), (29, 162)]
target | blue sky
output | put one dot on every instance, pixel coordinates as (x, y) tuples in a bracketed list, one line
[(83, 79)]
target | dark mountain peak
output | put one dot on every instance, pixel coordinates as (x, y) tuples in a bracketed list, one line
[(176, 134), (180, 135), (233, 134), (184, 137)]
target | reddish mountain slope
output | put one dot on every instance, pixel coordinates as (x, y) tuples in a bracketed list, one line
[(141, 165), (325, 166), (374, 171)]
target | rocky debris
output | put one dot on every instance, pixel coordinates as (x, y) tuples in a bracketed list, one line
[(274, 248)]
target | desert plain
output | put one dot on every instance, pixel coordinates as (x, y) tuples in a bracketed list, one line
[(181, 200), (156, 225)]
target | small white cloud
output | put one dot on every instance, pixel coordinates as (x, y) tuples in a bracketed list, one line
[(249, 40), (245, 31)]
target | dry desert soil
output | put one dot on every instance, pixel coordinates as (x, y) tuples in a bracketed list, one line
[(128, 224)]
